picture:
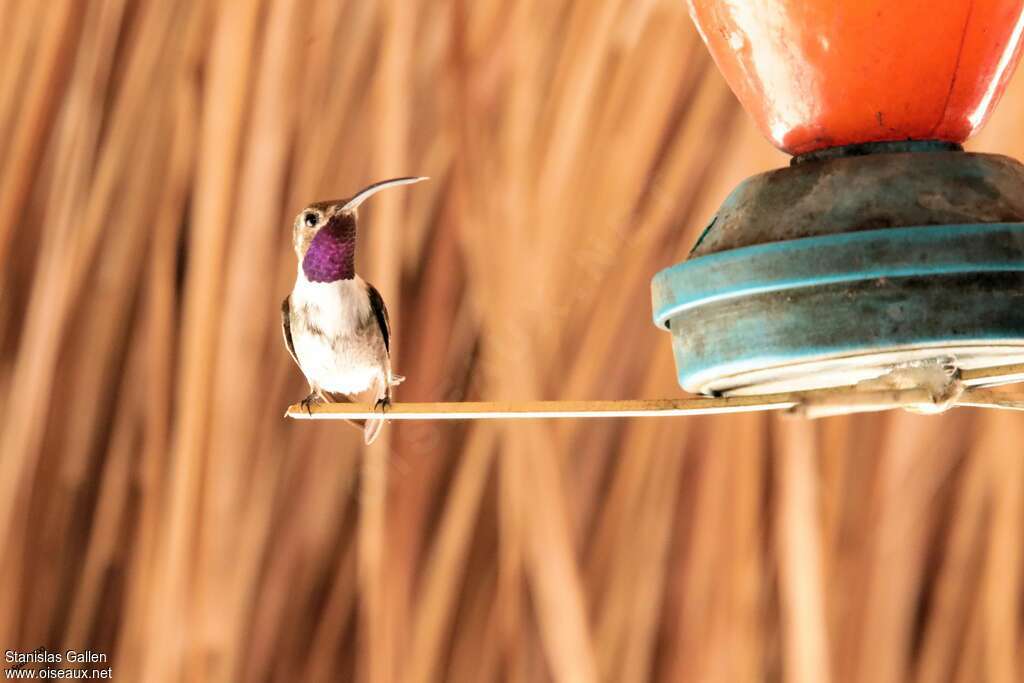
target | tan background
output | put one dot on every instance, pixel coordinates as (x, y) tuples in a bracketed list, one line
[(154, 504)]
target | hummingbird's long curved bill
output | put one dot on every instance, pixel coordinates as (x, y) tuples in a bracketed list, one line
[(371, 190)]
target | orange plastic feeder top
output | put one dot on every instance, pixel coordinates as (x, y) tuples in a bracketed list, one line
[(822, 73)]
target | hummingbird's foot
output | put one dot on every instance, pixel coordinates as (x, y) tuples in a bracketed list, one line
[(314, 398), (382, 403)]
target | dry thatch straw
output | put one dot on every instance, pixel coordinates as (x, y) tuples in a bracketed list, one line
[(154, 504)]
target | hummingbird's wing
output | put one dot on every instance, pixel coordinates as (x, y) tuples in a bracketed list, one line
[(380, 311), (286, 327)]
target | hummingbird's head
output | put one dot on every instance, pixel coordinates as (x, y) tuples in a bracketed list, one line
[(325, 234)]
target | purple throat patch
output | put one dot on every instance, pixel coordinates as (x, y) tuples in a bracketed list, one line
[(331, 255)]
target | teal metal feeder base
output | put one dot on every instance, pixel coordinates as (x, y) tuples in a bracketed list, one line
[(848, 263)]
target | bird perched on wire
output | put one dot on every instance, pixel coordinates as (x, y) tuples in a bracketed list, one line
[(335, 323)]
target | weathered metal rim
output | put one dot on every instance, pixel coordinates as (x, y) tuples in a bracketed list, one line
[(840, 334), (881, 147), (834, 259)]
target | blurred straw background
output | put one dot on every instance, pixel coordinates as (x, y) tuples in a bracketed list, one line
[(155, 505)]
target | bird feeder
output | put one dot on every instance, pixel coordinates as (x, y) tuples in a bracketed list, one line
[(883, 252), (883, 243)]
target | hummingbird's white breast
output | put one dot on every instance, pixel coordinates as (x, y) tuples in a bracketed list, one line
[(337, 340)]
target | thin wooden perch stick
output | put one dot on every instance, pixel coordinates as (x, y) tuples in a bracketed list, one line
[(850, 400), (488, 410), (986, 398)]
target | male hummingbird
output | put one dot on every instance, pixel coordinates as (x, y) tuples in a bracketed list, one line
[(335, 323)]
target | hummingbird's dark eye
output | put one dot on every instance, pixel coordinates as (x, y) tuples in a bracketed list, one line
[(311, 219)]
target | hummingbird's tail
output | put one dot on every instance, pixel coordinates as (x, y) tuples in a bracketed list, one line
[(371, 430), (383, 383), (342, 398)]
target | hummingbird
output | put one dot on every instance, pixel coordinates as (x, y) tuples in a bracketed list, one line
[(335, 324)]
